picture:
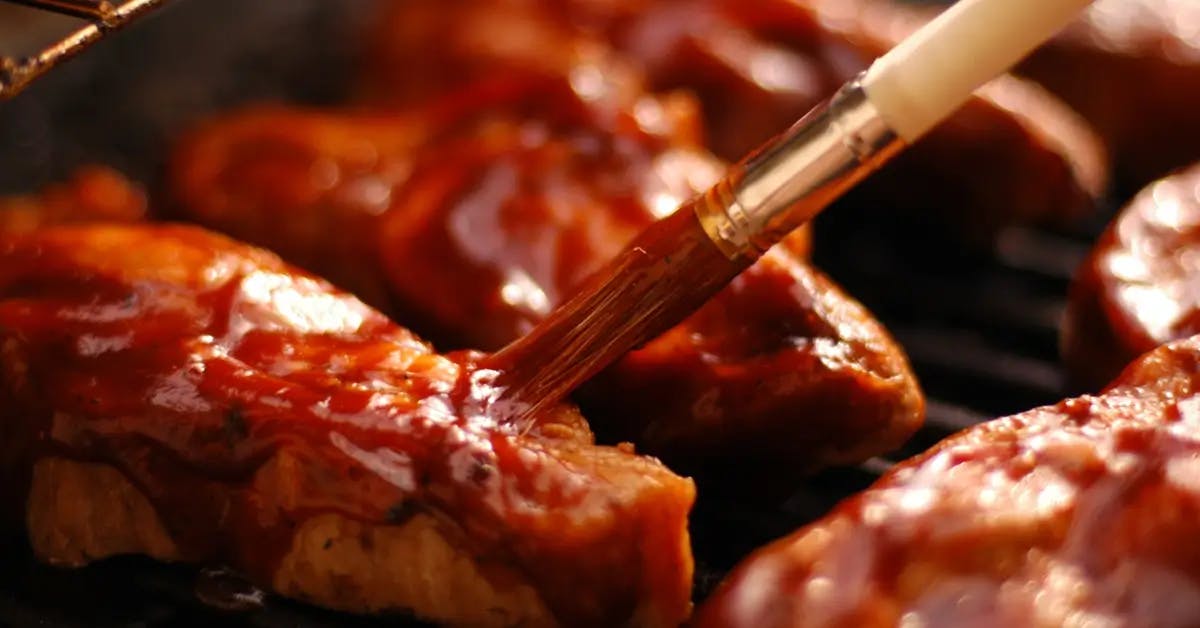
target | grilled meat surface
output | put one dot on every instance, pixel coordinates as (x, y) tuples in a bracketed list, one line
[(1080, 513), (1140, 286), (171, 392), (476, 215), (1132, 68), (1013, 155), (174, 393), (92, 194)]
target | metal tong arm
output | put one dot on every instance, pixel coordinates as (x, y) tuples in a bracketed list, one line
[(16, 74)]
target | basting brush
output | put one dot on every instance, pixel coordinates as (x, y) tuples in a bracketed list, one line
[(679, 262)]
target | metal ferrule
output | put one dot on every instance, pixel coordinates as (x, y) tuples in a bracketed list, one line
[(791, 179)]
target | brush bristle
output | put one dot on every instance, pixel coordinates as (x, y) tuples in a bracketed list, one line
[(658, 280)]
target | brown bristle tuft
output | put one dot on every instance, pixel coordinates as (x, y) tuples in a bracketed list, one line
[(659, 279)]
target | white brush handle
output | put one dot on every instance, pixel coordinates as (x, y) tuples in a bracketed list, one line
[(908, 91), (935, 70)]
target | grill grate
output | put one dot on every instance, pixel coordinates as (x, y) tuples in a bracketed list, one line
[(981, 331)]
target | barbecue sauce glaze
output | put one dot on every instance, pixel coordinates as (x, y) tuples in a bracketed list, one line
[(1140, 285), (498, 202), (1081, 513), (188, 361)]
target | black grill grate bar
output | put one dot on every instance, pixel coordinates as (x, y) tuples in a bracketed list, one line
[(970, 355), (942, 419), (1003, 302), (998, 313), (1039, 260), (950, 417), (1050, 255)]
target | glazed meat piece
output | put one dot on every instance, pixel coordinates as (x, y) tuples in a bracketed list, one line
[(463, 41), (1013, 156), (1132, 68), (1140, 286), (1079, 514), (781, 373), (91, 194), (343, 193), (493, 224), (173, 393)]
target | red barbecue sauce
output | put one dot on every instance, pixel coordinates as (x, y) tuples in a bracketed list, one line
[(188, 361)]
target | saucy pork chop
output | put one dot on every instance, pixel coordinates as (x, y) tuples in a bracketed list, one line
[(1132, 68), (1084, 513), (1140, 286), (91, 194), (170, 392), (1013, 155), (480, 232)]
